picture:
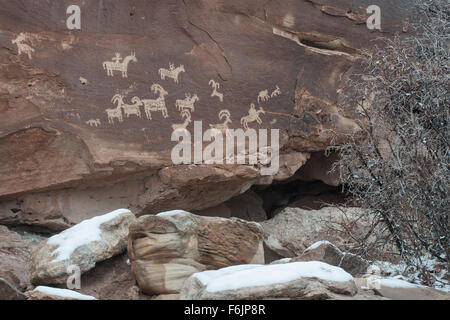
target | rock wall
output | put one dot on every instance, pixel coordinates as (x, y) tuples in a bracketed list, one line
[(87, 116)]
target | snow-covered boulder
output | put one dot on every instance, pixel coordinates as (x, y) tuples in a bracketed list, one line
[(48, 293), (82, 246), (166, 249), (296, 280)]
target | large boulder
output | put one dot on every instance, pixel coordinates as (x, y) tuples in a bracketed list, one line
[(80, 246), (293, 230), (112, 280), (67, 155), (10, 287), (165, 249), (327, 252), (398, 289), (297, 280), (14, 264)]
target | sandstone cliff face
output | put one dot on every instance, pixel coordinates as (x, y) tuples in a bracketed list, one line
[(65, 149)]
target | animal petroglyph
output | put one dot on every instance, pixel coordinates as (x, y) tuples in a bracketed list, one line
[(223, 114), (154, 105), (253, 115), (184, 114), (276, 92), (116, 65), (215, 93), (128, 109), (187, 103), (94, 122), (115, 113), (172, 72), (22, 47), (263, 96)]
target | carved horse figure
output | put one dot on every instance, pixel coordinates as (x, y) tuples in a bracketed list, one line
[(253, 115), (128, 109), (154, 105), (116, 65), (187, 103), (215, 93), (184, 114), (171, 73)]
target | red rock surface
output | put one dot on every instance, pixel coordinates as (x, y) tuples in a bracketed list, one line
[(60, 165)]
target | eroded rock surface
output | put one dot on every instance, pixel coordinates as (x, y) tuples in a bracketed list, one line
[(165, 249), (14, 264), (70, 150), (293, 230)]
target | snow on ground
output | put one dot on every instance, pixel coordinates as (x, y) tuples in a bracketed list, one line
[(412, 275), (396, 283), (241, 276), (63, 293), (171, 213), (81, 234)]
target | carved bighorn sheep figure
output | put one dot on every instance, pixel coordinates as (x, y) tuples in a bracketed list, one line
[(115, 113), (116, 65), (276, 92), (253, 115), (154, 105), (222, 126), (184, 114), (215, 93), (128, 109)]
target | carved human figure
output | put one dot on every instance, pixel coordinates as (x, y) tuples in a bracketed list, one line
[(172, 72), (253, 115), (187, 103)]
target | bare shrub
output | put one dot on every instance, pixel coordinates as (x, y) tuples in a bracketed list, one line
[(396, 166)]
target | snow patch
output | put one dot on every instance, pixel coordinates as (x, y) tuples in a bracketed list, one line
[(242, 276), (318, 244), (396, 283), (81, 234), (171, 213), (63, 293)]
